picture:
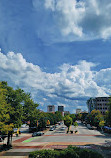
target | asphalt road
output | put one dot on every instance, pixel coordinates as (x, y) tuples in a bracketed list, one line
[(84, 135)]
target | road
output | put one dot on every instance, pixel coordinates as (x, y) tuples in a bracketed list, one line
[(83, 135), (51, 139)]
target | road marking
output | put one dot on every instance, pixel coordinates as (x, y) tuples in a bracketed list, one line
[(21, 139), (29, 140)]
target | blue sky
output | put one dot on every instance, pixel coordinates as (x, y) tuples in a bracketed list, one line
[(60, 51)]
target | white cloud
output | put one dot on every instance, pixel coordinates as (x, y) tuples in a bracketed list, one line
[(76, 20), (106, 33), (72, 82), (70, 15), (103, 79)]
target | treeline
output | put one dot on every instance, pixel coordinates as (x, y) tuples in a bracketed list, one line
[(95, 118), (44, 120)]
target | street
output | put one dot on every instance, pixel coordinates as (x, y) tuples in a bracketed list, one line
[(83, 135), (58, 138)]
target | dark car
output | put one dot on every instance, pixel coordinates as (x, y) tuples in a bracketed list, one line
[(37, 134), (62, 128)]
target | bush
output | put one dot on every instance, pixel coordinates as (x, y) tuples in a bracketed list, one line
[(70, 152), (44, 154)]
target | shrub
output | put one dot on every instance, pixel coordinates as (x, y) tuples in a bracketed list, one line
[(70, 152)]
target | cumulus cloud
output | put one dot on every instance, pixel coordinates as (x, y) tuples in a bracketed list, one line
[(73, 82), (78, 20)]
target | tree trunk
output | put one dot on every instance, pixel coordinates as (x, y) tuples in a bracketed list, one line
[(68, 129), (9, 143)]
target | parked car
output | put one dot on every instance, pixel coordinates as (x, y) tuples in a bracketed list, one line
[(51, 129), (89, 126), (0, 139), (107, 129), (56, 126), (23, 126), (37, 134), (62, 128)]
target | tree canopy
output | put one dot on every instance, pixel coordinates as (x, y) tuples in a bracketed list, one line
[(16, 106), (68, 121)]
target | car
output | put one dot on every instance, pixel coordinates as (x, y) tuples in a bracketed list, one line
[(51, 129), (23, 126), (62, 128), (56, 126), (37, 134), (89, 126), (0, 139)]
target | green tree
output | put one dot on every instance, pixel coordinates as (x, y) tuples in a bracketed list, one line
[(78, 116), (42, 120), (22, 106), (95, 117), (52, 118), (73, 116), (101, 124), (75, 124), (68, 121), (5, 125), (84, 116), (30, 111), (108, 114), (58, 116)]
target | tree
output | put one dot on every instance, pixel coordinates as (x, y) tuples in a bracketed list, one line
[(21, 104), (73, 116), (79, 116), (42, 121), (58, 116), (101, 124), (30, 111), (68, 121), (108, 114), (84, 116), (75, 124), (95, 117), (5, 125), (51, 117)]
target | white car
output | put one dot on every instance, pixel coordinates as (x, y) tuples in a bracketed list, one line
[(23, 126)]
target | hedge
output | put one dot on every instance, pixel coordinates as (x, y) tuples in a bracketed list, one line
[(70, 152)]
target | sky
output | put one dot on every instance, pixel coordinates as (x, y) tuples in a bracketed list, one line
[(58, 50)]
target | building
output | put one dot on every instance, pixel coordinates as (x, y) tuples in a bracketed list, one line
[(61, 108), (78, 111), (51, 108), (66, 113), (98, 103)]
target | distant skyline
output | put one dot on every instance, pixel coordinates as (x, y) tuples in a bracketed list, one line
[(58, 50)]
